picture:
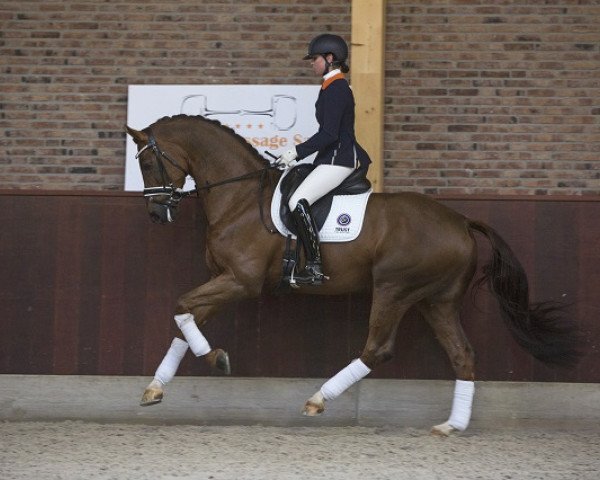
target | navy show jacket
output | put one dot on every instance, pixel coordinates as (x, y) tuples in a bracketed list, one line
[(335, 140)]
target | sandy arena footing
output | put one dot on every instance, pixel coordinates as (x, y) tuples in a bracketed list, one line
[(62, 427)]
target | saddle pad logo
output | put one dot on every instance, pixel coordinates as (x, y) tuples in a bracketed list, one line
[(344, 219)]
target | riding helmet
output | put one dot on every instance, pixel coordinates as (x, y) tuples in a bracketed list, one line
[(328, 43)]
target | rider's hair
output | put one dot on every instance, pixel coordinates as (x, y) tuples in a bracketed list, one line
[(343, 66)]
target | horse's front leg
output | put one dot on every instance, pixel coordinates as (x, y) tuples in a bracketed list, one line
[(193, 310)]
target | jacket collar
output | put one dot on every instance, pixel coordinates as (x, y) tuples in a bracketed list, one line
[(331, 77)]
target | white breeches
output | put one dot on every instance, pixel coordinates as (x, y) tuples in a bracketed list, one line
[(318, 183)]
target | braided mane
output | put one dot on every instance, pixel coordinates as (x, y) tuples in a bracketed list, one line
[(199, 118)]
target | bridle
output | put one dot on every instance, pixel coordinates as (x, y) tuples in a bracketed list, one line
[(176, 194)]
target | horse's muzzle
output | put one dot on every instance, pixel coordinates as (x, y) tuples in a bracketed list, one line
[(161, 213)]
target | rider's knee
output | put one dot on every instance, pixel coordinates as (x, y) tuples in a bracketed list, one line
[(293, 203)]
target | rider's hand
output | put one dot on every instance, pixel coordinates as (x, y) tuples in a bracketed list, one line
[(288, 159)]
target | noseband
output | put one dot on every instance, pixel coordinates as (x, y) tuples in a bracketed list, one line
[(176, 194)]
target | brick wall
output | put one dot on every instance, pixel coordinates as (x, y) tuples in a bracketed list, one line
[(499, 97), (481, 96)]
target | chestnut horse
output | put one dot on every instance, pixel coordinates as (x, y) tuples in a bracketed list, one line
[(412, 252)]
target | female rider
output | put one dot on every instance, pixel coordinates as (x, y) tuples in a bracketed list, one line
[(339, 154)]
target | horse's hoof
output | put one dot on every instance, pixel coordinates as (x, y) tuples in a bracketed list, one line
[(151, 396), (219, 361), (443, 430), (222, 363), (313, 409)]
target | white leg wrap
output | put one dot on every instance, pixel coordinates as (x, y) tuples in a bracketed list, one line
[(198, 344), (168, 367), (461, 405), (344, 379)]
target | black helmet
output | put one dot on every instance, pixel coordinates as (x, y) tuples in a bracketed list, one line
[(328, 43)]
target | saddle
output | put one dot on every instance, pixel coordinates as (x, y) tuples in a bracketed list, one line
[(338, 214), (355, 184)]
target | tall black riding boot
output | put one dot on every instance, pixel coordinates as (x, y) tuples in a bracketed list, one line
[(309, 235)]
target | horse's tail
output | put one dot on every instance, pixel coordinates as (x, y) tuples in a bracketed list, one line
[(539, 328)]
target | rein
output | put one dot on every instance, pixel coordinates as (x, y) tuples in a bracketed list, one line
[(263, 174), (176, 194), (246, 176)]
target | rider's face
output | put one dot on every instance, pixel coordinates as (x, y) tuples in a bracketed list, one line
[(318, 64)]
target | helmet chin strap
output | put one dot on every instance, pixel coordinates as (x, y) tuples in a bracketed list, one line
[(327, 65)]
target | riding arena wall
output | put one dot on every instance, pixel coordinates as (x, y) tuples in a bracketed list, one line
[(89, 285), (491, 107)]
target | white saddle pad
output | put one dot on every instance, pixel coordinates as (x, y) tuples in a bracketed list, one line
[(344, 222)]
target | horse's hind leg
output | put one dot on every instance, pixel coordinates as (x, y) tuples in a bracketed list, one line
[(386, 314), (445, 321)]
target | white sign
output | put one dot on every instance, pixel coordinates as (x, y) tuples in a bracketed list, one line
[(269, 117)]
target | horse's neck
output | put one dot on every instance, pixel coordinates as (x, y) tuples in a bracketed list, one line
[(218, 156)]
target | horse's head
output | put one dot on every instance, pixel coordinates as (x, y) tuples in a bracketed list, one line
[(163, 174)]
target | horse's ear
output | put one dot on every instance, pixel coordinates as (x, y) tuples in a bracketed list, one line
[(138, 137)]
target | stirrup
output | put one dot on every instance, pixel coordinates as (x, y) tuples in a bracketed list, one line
[(310, 275)]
